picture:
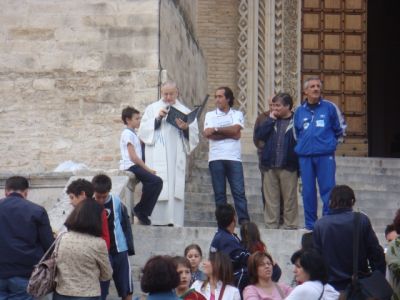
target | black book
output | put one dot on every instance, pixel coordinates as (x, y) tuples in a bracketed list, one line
[(174, 113)]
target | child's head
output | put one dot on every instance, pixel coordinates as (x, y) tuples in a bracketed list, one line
[(78, 190), (194, 255), (131, 117), (102, 186), (183, 268), (225, 215)]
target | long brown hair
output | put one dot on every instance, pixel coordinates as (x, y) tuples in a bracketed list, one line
[(222, 269), (251, 237)]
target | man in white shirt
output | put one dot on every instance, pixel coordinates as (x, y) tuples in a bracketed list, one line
[(166, 147), (223, 129)]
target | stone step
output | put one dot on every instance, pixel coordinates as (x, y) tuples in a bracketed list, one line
[(369, 162), (375, 181), (353, 162)]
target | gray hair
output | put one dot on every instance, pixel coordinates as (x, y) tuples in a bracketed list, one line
[(305, 85), (169, 83)]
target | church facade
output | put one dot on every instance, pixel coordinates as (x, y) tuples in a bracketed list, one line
[(67, 69)]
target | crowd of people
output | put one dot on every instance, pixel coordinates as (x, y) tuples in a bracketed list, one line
[(96, 240)]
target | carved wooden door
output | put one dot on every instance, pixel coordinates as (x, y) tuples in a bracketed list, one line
[(334, 48)]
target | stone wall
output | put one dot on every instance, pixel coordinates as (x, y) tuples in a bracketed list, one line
[(188, 9), (67, 70), (217, 31), (180, 53)]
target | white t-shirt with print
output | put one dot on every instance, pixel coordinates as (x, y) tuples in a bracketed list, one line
[(128, 137), (226, 149)]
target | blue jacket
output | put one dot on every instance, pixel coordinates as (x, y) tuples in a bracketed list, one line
[(230, 244), (163, 296), (317, 129), (119, 226), (333, 238), (25, 234), (265, 132)]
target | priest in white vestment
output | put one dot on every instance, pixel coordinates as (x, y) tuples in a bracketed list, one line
[(166, 148)]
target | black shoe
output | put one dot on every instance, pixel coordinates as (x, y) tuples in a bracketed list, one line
[(143, 219)]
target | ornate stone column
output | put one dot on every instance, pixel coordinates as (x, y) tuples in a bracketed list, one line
[(269, 52)]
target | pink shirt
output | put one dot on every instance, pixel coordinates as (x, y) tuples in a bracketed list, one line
[(251, 292)]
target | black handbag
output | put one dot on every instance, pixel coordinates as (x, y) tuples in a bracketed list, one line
[(373, 285)]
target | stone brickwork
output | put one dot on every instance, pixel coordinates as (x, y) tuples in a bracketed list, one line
[(180, 53), (217, 31), (66, 71)]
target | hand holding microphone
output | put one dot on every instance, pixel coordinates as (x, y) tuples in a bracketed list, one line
[(163, 112)]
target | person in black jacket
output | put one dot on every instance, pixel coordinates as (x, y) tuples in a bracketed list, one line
[(280, 164), (25, 235), (333, 239)]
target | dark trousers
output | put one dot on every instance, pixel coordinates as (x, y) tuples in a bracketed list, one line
[(152, 186)]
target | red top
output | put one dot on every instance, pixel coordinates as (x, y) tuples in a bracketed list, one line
[(259, 246), (105, 233), (192, 295)]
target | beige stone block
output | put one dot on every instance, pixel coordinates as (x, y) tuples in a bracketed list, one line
[(17, 62), (6, 85), (78, 34), (99, 21), (43, 84), (31, 33), (143, 6), (62, 144), (48, 61), (91, 62)]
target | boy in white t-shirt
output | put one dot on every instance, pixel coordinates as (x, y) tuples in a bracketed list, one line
[(131, 153)]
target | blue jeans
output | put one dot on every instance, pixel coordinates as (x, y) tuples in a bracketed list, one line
[(321, 168), (14, 288), (233, 171)]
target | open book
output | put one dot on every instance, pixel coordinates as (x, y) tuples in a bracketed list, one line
[(174, 113)]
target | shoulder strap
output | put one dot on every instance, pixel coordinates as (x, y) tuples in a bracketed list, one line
[(279, 290), (322, 293), (356, 237), (52, 246), (47, 252), (222, 292), (57, 243)]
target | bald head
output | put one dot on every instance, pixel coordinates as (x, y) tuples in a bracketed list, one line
[(169, 92)]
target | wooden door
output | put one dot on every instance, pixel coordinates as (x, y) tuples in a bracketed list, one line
[(334, 48)]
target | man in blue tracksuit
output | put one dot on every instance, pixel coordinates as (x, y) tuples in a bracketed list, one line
[(318, 127)]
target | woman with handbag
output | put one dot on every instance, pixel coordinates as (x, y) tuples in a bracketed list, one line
[(218, 285), (82, 257), (312, 276), (262, 287)]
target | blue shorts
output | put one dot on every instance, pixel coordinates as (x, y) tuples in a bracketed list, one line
[(122, 276)]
